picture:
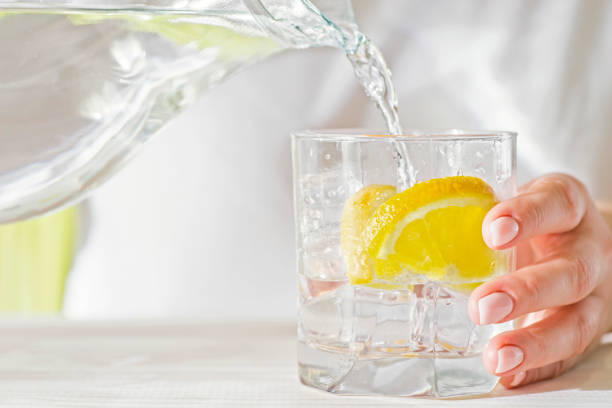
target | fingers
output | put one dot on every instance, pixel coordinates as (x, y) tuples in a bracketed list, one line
[(546, 372), (560, 336), (555, 282), (563, 289), (538, 374), (551, 204)]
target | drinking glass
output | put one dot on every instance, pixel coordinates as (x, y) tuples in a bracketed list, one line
[(407, 339)]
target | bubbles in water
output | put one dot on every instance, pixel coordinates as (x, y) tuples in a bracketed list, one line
[(503, 160), (374, 76)]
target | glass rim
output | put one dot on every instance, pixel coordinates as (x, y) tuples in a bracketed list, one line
[(408, 135)]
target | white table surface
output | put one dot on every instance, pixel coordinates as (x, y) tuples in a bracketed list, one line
[(56, 363)]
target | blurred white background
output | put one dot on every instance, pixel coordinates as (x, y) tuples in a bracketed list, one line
[(200, 224)]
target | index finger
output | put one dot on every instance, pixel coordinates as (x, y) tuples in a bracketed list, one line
[(551, 204)]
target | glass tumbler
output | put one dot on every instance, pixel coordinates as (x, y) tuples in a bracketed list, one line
[(389, 248)]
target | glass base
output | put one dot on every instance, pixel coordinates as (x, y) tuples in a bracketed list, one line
[(397, 376)]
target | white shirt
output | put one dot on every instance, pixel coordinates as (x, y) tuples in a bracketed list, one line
[(200, 224)]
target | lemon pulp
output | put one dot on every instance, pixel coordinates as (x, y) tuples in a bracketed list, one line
[(431, 230)]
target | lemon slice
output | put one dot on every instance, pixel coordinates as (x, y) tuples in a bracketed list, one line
[(431, 230), (357, 213)]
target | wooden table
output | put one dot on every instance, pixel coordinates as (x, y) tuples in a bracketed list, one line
[(57, 363)]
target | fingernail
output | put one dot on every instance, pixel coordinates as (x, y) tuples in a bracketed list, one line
[(518, 379), (502, 230), (508, 357), (494, 307)]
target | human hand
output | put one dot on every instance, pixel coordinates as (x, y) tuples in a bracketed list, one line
[(561, 293)]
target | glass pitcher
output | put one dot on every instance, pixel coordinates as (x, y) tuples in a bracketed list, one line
[(84, 83)]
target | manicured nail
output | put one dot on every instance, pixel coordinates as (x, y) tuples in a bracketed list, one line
[(518, 378), (494, 307), (502, 230), (508, 357)]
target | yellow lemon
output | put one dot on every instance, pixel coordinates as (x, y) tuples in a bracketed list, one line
[(357, 213), (432, 229)]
